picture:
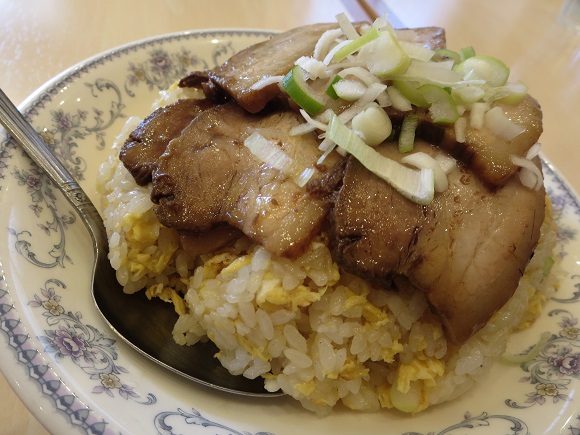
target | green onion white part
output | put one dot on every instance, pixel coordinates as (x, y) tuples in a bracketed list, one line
[(416, 185), (442, 108), (490, 69), (530, 175), (356, 44), (349, 90), (399, 101), (268, 152), (347, 27), (421, 160), (460, 129), (477, 115), (266, 81), (372, 124), (496, 120)]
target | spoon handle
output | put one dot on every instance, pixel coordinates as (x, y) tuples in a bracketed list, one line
[(24, 135)]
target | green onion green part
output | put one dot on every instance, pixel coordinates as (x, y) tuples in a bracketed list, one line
[(407, 135)]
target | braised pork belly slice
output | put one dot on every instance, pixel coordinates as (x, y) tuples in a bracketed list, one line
[(208, 177), (467, 250), (148, 141), (208, 242), (275, 57), (483, 152)]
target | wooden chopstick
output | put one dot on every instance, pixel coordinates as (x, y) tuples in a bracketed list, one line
[(370, 10)]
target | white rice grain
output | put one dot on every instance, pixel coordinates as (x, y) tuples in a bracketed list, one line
[(265, 324), (294, 339), (299, 359)]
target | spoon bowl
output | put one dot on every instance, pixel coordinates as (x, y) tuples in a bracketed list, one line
[(144, 324)]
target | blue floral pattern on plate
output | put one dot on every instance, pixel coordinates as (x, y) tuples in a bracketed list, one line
[(91, 379), (85, 345)]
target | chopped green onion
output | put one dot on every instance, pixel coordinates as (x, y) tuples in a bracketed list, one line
[(323, 44), (466, 52), (330, 89), (349, 89), (468, 94), (347, 27), (374, 124), (423, 160), (384, 56), (445, 54), (410, 91), (371, 94), (356, 44), (383, 23), (407, 135), (496, 121), (312, 68), (460, 129), (438, 73), (530, 176), (299, 130), (327, 146), (330, 55), (398, 100), (268, 152), (488, 68), (415, 185), (361, 73), (511, 93), (316, 123), (476, 115), (417, 51), (266, 81), (295, 85), (441, 106)]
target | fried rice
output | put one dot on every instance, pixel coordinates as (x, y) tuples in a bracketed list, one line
[(306, 327)]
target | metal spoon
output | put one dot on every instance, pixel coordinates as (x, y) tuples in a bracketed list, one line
[(145, 325)]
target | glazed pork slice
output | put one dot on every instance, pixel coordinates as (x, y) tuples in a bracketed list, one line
[(148, 141), (273, 57), (208, 177), (210, 241), (483, 152), (276, 57), (467, 250)]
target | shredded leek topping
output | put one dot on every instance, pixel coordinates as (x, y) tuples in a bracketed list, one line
[(530, 174), (407, 135), (268, 152), (416, 185), (357, 71)]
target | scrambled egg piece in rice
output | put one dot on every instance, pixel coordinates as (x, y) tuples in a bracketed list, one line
[(151, 251)]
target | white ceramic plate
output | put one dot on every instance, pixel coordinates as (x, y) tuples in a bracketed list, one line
[(77, 376)]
